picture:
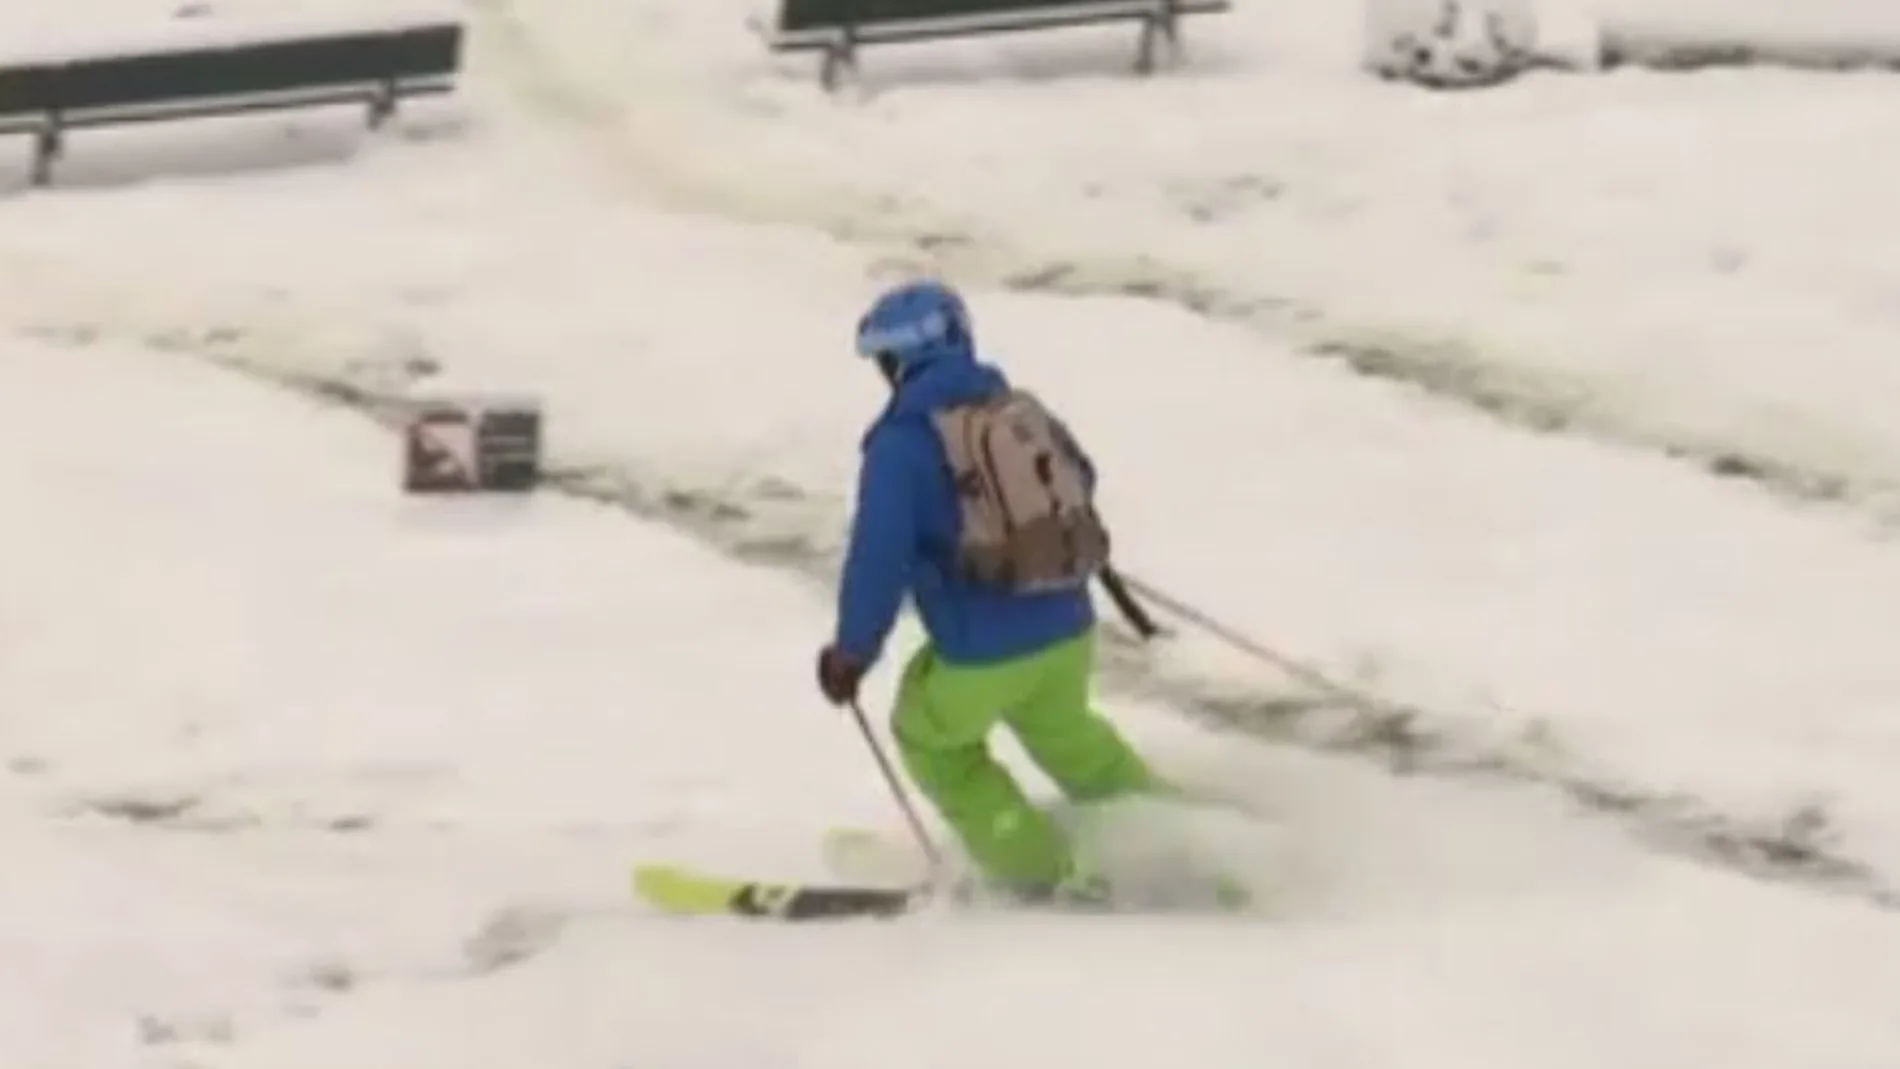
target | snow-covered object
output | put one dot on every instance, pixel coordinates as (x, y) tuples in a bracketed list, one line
[(1450, 43)]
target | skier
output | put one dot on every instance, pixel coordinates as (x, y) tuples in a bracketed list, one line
[(977, 503)]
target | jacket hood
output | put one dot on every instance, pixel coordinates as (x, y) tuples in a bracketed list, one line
[(947, 382)]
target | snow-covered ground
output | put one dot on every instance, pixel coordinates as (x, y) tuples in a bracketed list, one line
[(1667, 631), (340, 730), (305, 774), (1687, 262)]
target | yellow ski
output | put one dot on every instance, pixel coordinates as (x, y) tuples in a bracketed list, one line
[(685, 892)]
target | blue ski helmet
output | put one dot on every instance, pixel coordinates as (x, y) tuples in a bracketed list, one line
[(914, 324)]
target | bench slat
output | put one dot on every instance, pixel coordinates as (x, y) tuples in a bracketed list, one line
[(816, 23), (22, 87), (197, 77), (46, 97)]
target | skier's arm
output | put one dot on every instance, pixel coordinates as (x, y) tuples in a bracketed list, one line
[(883, 543)]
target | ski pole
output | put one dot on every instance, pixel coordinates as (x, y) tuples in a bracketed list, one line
[(898, 793), (1312, 677), (1131, 609)]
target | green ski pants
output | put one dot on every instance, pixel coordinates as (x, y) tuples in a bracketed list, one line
[(942, 722)]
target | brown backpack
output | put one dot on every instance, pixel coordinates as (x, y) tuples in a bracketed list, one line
[(1029, 519)]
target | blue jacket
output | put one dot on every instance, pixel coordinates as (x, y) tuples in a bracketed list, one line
[(904, 536)]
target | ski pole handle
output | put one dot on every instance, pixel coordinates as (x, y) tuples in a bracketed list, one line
[(1125, 602)]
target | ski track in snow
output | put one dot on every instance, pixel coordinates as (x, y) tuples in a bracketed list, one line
[(348, 844)]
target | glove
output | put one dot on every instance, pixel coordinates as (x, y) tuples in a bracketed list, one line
[(838, 675)]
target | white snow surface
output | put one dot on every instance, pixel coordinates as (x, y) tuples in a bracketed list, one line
[(1679, 261), (352, 728), (409, 749)]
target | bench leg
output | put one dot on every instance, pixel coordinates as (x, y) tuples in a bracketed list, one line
[(1160, 29), (839, 59), (382, 106), (48, 145)]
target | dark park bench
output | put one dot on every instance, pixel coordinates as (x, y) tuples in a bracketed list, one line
[(200, 76), (839, 27)]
